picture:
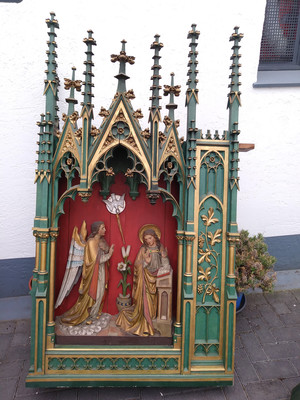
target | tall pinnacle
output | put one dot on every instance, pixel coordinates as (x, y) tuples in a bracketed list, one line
[(123, 59), (192, 64), (87, 93), (156, 45)]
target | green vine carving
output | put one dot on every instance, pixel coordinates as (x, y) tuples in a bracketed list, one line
[(206, 242)]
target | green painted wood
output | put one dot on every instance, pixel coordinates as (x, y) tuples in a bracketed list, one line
[(202, 191)]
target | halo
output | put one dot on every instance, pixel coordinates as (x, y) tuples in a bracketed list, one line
[(149, 226)]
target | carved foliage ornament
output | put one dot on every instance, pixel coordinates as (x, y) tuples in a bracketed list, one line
[(75, 84), (206, 242), (172, 89), (122, 57)]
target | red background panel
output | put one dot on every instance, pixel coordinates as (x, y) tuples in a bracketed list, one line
[(136, 214)]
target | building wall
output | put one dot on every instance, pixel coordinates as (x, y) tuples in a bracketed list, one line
[(269, 118)]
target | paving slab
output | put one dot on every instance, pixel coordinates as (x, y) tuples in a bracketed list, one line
[(4, 344), (8, 388), (296, 293), (125, 393), (242, 324), (11, 369), (270, 316), (253, 347), (7, 327), (275, 369), (268, 390), (296, 363), (291, 319), (286, 333), (244, 367), (281, 350), (262, 330), (235, 392), (290, 383)]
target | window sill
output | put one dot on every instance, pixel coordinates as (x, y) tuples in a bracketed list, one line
[(290, 78)]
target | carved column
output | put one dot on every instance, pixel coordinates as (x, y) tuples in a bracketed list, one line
[(180, 238), (51, 324)]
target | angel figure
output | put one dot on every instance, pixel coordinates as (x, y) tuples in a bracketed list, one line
[(151, 262), (87, 259)]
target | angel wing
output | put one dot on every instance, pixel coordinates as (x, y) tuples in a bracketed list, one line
[(74, 264)]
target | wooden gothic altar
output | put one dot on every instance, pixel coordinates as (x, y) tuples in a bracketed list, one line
[(185, 188)]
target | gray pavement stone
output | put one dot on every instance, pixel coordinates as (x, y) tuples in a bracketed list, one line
[(253, 347), (292, 319), (296, 363), (8, 388), (256, 299), (238, 343), (158, 393), (242, 324), (4, 345), (126, 393), (284, 296), (280, 350), (251, 312), (11, 369), (17, 353), (286, 333), (275, 369), (23, 326), (20, 339), (281, 308), (86, 394), (262, 330), (270, 316), (22, 390), (39, 396), (7, 327), (235, 392), (290, 383), (244, 367), (270, 390), (72, 394), (296, 293), (208, 394)]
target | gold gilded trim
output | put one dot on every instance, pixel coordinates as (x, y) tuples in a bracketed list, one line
[(100, 150), (197, 208)]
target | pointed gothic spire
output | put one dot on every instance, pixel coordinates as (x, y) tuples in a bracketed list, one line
[(88, 84), (123, 59), (192, 64), (192, 131), (234, 102), (72, 84), (172, 91), (155, 88), (234, 92), (52, 80)]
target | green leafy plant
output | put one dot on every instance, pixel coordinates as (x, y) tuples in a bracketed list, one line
[(254, 265)]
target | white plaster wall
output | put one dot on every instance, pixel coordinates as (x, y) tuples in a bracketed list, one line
[(269, 197)]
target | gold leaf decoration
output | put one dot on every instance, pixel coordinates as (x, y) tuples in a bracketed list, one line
[(209, 220), (215, 237)]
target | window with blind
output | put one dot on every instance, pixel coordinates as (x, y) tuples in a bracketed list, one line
[(279, 63)]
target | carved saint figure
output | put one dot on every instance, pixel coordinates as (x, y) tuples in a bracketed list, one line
[(152, 261), (91, 258)]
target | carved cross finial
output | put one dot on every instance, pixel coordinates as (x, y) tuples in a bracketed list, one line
[(123, 58)]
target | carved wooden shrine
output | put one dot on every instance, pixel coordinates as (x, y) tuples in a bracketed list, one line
[(186, 188)]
